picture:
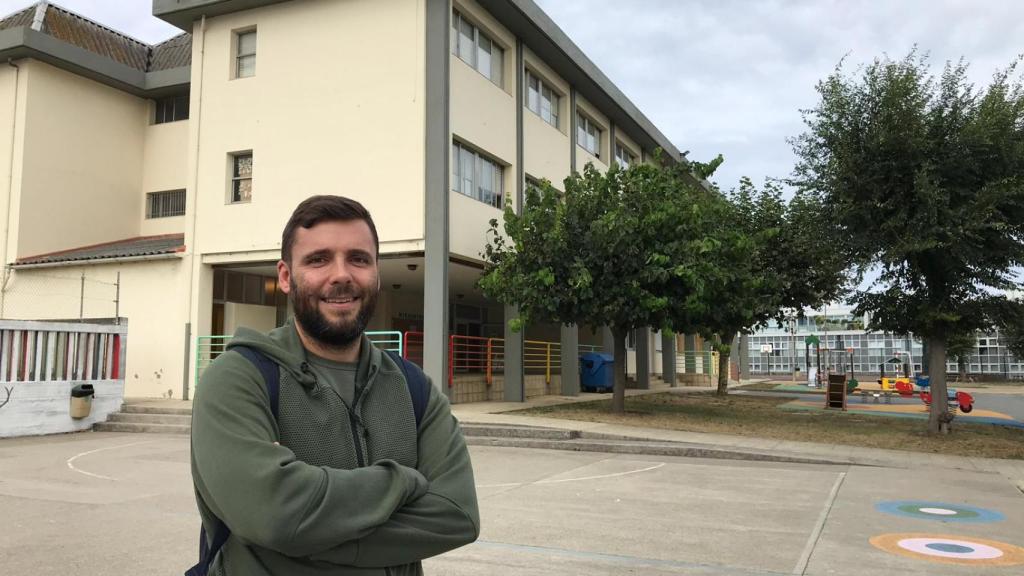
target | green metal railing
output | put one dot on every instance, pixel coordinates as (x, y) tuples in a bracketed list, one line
[(209, 347), (387, 340)]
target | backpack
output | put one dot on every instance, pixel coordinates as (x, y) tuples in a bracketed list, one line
[(419, 391)]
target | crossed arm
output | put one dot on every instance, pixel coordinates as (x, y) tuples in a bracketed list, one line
[(381, 515)]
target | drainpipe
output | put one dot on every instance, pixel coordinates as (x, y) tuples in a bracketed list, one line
[(10, 188), (195, 207)]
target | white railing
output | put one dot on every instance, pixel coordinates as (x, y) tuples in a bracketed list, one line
[(41, 361)]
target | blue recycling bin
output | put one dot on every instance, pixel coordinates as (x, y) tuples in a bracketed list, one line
[(596, 372)]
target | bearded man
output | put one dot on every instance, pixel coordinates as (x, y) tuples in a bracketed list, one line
[(323, 464)]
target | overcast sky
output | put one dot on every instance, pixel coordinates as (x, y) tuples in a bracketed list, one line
[(728, 76)]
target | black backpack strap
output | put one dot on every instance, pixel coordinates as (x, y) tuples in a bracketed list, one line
[(416, 380), (271, 378), (270, 371)]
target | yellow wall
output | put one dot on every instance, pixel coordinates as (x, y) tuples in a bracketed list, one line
[(150, 298), (546, 148), (82, 162), (582, 156), (164, 168), (259, 318), (470, 220), (336, 106), (629, 143), (12, 131)]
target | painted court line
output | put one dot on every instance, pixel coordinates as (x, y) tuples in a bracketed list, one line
[(812, 541), (71, 461), (580, 479)]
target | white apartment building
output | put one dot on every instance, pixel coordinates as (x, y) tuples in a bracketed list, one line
[(170, 169)]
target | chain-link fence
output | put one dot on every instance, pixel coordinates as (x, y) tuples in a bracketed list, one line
[(48, 294)]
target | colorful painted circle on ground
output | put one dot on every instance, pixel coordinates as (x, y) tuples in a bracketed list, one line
[(939, 511), (946, 549)]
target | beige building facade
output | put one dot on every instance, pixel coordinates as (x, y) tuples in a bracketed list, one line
[(151, 182)]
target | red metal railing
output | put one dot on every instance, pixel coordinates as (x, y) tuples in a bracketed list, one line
[(479, 355), (468, 354), (412, 348)]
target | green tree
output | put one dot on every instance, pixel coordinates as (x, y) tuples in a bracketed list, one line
[(614, 251), (768, 259), (924, 179), (1011, 326), (961, 346)]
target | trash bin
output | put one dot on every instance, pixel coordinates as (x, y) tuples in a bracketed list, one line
[(596, 372), (81, 400)]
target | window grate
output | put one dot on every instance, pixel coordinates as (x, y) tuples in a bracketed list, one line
[(165, 204)]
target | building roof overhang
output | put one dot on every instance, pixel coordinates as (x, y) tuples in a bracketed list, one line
[(24, 42), (182, 13), (128, 249)]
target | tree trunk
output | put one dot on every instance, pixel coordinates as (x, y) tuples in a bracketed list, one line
[(937, 417), (961, 363), (723, 374), (619, 389)]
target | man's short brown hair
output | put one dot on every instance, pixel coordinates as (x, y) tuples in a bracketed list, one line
[(316, 209)]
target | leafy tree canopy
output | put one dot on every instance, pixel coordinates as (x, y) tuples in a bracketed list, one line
[(923, 178)]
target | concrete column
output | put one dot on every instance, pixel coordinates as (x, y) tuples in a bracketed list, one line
[(607, 340), (668, 359), (690, 347), (643, 358), (744, 357), (572, 129), (570, 360), (515, 383), (437, 147)]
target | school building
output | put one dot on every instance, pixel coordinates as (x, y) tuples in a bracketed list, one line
[(152, 182)]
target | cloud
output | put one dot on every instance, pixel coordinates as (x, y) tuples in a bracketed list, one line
[(731, 76)]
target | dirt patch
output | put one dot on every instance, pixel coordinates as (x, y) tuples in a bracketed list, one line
[(761, 417)]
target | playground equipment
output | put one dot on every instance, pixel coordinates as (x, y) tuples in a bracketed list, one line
[(843, 359), (904, 385), (955, 399), (899, 365)]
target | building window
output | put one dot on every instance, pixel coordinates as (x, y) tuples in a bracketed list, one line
[(623, 157), (245, 54), (476, 49), (171, 109), (541, 99), (476, 176), (241, 177), (165, 204), (588, 135)]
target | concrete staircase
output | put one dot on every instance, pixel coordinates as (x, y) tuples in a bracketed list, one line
[(135, 418)]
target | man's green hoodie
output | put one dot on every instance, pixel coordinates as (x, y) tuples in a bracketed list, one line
[(347, 490)]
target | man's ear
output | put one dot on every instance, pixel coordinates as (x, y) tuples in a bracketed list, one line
[(284, 277)]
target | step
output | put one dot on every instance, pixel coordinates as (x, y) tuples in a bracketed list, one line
[(144, 418), (137, 427), (135, 409)]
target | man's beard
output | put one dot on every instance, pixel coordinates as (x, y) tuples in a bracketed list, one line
[(332, 334)]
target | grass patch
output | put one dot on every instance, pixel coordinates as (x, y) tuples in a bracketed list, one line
[(761, 417)]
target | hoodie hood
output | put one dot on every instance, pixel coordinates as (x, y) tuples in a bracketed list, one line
[(283, 346)]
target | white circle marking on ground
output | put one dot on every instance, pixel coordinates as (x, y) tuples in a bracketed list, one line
[(978, 551), (939, 511), (71, 461)]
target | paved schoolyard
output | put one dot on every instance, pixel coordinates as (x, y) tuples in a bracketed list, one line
[(112, 504)]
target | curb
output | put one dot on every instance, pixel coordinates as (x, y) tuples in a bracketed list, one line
[(521, 436)]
